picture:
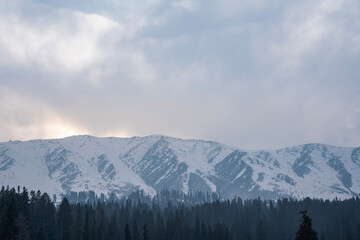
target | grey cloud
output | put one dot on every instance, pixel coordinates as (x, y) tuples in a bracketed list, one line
[(253, 74)]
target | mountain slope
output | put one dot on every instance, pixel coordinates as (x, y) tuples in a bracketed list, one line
[(152, 163)]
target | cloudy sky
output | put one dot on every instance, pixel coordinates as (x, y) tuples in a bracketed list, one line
[(248, 73)]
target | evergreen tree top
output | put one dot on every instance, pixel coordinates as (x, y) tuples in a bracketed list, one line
[(305, 231)]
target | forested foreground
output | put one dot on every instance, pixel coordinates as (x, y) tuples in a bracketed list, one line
[(32, 215)]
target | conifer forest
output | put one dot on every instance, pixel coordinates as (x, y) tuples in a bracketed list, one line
[(26, 215)]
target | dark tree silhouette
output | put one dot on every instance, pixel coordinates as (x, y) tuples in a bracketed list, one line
[(197, 228), (41, 234), (135, 231), (146, 235), (86, 234), (358, 232), (305, 231), (8, 228), (22, 226), (65, 219), (127, 233), (34, 216)]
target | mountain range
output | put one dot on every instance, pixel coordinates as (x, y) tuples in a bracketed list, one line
[(153, 163)]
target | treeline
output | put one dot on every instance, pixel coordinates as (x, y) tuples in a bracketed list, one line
[(33, 215), (162, 198)]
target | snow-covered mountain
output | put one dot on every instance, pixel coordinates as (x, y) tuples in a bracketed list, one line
[(152, 163)]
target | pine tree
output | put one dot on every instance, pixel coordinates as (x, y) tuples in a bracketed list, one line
[(203, 231), (358, 232), (101, 226), (197, 228), (135, 231), (78, 223), (322, 237), (220, 232), (160, 228), (65, 220), (113, 232), (146, 235), (41, 234), (22, 226), (8, 228), (45, 212), (24, 203), (127, 233), (260, 230), (86, 234), (305, 231)]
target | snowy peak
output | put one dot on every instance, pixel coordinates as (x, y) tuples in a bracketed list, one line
[(152, 163)]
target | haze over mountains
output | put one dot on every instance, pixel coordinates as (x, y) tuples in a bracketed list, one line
[(152, 163)]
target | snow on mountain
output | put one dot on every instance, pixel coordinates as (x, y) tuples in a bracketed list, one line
[(152, 163)]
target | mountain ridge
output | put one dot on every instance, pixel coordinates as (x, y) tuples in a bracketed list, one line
[(155, 162), (182, 139)]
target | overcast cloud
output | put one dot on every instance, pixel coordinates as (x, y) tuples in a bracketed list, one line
[(252, 74)]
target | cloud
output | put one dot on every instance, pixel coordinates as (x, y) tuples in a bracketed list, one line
[(253, 74), (311, 30), (58, 40), (186, 4)]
